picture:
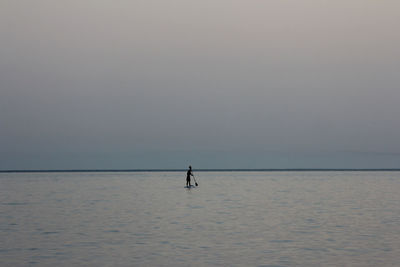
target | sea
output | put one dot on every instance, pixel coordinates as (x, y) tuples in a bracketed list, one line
[(232, 218)]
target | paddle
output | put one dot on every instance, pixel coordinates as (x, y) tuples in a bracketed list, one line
[(195, 182)]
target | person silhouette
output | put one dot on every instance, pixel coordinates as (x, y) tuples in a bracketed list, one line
[(188, 174)]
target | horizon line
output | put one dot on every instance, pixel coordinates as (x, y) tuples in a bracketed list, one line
[(199, 170)]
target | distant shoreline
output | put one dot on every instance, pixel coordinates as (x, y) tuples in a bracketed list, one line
[(196, 170)]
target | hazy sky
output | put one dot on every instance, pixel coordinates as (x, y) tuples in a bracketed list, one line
[(212, 83)]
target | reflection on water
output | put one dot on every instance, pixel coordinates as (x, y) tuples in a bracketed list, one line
[(231, 219)]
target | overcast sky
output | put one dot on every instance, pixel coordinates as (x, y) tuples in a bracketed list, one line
[(212, 83)]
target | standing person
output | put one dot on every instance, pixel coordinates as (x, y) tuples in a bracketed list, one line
[(188, 174)]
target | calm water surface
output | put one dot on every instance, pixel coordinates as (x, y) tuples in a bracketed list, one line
[(231, 219)]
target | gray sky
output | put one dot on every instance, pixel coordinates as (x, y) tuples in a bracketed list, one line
[(216, 84)]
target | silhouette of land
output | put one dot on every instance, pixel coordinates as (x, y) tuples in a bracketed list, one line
[(197, 170)]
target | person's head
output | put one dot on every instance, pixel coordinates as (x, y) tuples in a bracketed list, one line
[(190, 167)]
